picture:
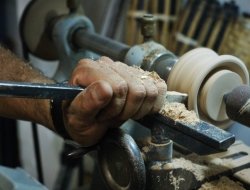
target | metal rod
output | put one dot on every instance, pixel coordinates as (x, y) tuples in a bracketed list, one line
[(201, 138), (37, 153), (39, 91), (238, 104), (100, 44)]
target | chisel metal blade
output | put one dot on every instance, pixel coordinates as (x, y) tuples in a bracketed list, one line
[(201, 138), (39, 90)]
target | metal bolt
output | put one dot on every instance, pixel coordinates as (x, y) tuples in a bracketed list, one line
[(148, 27)]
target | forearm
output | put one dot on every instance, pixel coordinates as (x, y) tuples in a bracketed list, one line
[(15, 69), (114, 93)]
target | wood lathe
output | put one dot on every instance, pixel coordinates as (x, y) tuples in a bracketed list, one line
[(210, 81)]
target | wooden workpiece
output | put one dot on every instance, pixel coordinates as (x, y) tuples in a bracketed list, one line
[(206, 76)]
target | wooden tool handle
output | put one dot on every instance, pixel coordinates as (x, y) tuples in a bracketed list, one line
[(238, 104)]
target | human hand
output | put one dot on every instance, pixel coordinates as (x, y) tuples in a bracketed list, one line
[(114, 93)]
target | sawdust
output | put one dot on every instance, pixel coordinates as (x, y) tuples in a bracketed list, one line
[(157, 166), (201, 168), (224, 183), (148, 74), (148, 146), (178, 112), (145, 149), (196, 169), (154, 75), (175, 181)]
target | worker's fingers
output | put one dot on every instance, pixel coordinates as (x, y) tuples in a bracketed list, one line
[(114, 93), (89, 71), (90, 135), (81, 115), (85, 107), (161, 98), (105, 59), (93, 134), (149, 100), (136, 89), (146, 92), (156, 89), (159, 84)]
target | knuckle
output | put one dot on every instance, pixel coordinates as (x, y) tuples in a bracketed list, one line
[(121, 89), (152, 94), (158, 104), (86, 64), (79, 70), (105, 59), (103, 90), (87, 108), (162, 86), (80, 73), (84, 61), (138, 94)]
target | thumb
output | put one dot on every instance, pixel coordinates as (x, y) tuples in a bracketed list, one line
[(90, 101)]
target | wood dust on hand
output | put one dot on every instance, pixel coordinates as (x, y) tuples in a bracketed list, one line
[(178, 112)]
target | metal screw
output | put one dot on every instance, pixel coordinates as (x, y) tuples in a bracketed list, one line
[(148, 27)]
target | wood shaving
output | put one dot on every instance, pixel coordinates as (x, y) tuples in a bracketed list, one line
[(224, 183), (178, 112), (201, 168), (196, 169), (175, 181), (145, 149), (147, 74), (154, 75), (144, 77), (157, 166)]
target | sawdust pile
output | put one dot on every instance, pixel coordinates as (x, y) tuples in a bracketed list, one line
[(201, 168), (178, 112), (224, 183), (213, 166), (196, 169)]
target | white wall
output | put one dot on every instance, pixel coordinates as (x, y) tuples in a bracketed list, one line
[(50, 144)]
